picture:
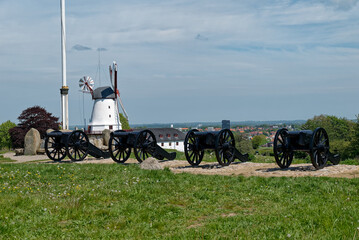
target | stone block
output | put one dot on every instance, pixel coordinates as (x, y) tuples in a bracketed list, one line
[(151, 164), (106, 136), (32, 142)]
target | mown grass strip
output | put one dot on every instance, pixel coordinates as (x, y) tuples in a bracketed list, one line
[(5, 160)]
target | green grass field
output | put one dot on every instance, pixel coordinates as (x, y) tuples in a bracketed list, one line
[(75, 201)]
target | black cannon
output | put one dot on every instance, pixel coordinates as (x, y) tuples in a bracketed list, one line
[(144, 144), (315, 143), (74, 144), (221, 141)]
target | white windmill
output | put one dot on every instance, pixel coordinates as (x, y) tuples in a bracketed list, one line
[(105, 113)]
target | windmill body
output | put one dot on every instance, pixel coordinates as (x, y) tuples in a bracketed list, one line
[(105, 113)]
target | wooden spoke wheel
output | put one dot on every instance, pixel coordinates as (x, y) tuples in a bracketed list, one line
[(54, 148), (145, 145), (224, 147), (319, 148), (194, 153), (77, 145), (119, 150), (283, 154)]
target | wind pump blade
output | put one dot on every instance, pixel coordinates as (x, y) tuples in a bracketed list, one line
[(86, 84)]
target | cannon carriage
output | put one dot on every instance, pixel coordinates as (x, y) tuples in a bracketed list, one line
[(221, 141), (75, 145), (315, 143), (143, 143)]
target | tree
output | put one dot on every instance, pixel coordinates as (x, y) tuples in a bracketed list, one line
[(5, 141), (124, 122), (340, 132), (243, 144), (258, 141), (33, 117), (354, 144)]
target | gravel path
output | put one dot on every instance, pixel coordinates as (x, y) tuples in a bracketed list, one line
[(23, 158), (236, 168)]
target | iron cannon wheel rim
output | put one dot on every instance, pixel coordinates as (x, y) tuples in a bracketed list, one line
[(283, 156), (54, 149), (118, 151), (77, 145), (194, 157), (225, 145), (145, 144), (319, 148)]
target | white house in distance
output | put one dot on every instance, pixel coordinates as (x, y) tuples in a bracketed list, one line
[(105, 113), (169, 138)]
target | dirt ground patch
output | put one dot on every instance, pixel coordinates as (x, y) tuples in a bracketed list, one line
[(236, 168)]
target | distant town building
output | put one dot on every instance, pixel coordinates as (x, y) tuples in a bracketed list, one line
[(169, 138)]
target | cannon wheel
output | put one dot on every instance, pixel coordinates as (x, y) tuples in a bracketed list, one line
[(119, 151), (319, 148), (224, 147), (282, 153), (145, 145), (194, 154), (77, 146), (54, 149)]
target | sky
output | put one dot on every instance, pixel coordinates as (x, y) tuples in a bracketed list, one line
[(185, 60)]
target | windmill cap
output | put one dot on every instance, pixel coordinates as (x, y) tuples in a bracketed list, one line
[(104, 93)]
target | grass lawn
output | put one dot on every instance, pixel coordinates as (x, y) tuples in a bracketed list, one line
[(124, 202)]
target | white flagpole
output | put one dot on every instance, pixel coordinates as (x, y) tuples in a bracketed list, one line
[(65, 89)]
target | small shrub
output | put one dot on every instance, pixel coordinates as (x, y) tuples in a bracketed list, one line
[(5, 140), (266, 151), (342, 147)]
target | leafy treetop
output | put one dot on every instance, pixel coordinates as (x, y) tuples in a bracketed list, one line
[(258, 141), (337, 128), (33, 117)]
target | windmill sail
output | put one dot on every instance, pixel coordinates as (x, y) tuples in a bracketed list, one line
[(113, 71)]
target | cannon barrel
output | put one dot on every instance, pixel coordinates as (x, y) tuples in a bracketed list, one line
[(120, 133), (306, 132), (57, 134)]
